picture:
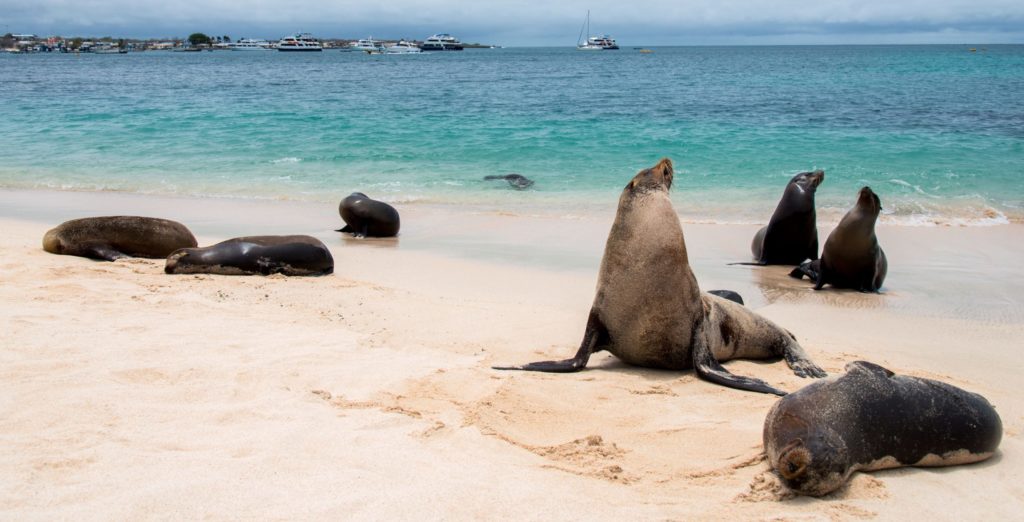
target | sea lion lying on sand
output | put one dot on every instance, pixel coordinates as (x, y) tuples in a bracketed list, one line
[(288, 255), (113, 237), (870, 419)]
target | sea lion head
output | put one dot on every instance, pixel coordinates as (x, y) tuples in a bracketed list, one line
[(808, 181), (816, 464), (179, 261), (658, 177), (868, 201), (52, 242)]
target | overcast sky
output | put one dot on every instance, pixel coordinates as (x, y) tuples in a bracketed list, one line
[(533, 22)]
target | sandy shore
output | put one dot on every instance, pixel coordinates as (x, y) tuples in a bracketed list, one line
[(126, 393)]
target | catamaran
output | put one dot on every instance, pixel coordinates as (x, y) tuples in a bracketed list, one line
[(594, 43)]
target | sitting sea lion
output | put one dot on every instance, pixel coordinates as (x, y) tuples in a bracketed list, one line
[(516, 181), (649, 311), (852, 257), (871, 419), (365, 217), (791, 235), (113, 237), (288, 255)]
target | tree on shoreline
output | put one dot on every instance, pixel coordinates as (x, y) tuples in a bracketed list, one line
[(197, 39)]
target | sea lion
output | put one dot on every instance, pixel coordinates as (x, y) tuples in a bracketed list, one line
[(649, 311), (516, 181), (113, 237), (288, 255), (791, 235), (852, 257), (365, 217), (870, 419)]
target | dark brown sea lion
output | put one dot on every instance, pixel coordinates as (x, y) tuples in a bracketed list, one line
[(365, 217), (113, 237), (649, 311), (852, 257), (791, 235), (870, 419), (288, 255)]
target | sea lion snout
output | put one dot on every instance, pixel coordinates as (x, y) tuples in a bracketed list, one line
[(657, 177), (817, 177), (794, 460), (174, 259), (52, 242), (868, 199)]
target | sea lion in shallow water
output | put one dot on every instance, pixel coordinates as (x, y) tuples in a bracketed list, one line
[(288, 255), (649, 311), (791, 235), (113, 237), (852, 257), (870, 419), (365, 217), (516, 181)]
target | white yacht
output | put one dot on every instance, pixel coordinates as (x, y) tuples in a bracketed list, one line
[(368, 45), (299, 42), (594, 43), (402, 47), (251, 44), (441, 42)]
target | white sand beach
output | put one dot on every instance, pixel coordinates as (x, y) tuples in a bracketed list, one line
[(126, 393)]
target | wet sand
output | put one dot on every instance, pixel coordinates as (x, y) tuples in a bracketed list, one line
[(128, 393)]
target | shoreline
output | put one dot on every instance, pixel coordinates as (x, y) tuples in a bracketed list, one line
[(369, 394), (938, 271)]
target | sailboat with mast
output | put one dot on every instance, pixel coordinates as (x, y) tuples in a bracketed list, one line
[(594, 43)]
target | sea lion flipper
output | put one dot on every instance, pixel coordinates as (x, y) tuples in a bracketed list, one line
[(595, 330), (728, 294), (710, 369), (345, 228), (105, 252)]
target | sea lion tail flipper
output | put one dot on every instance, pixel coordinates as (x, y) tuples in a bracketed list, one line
[(594, 331), (728, 294), (811, 269), (710, 369), (345, 228)]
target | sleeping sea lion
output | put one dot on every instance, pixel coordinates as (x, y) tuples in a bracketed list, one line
[(870, 419), (288, 255), (791, 235), (113, 237), (852, 257), (365, 217), (649, 311)]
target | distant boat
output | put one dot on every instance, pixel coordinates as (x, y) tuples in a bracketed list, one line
[(302, 42), (441, 42), (251, 44), (368, 45), (594, 43), (402, 47)]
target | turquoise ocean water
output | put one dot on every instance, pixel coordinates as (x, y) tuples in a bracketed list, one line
[(937, 131)]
